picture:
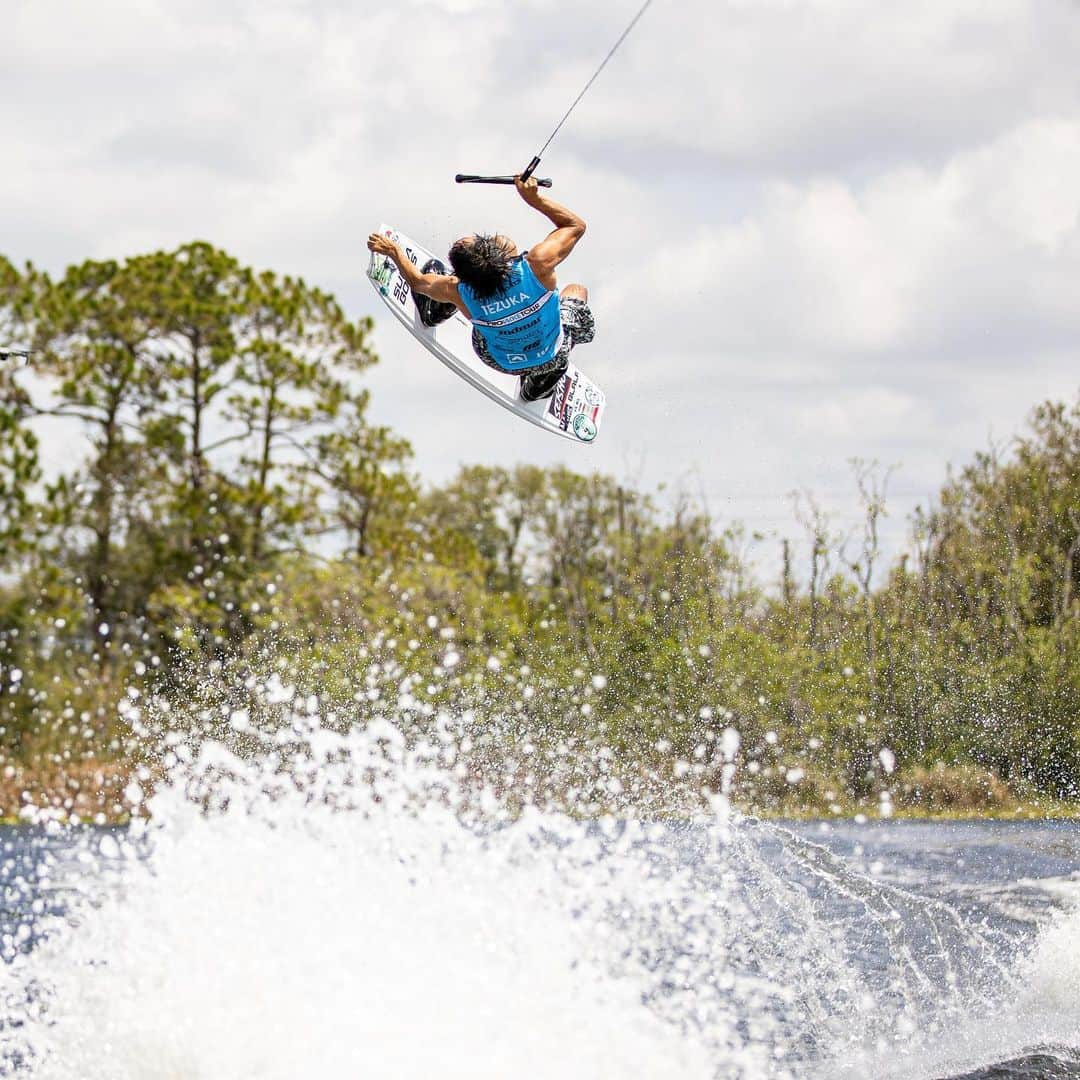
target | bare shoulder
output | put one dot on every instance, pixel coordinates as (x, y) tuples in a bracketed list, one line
[(542, 265)]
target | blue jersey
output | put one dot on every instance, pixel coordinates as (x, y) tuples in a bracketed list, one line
[(521, 323)]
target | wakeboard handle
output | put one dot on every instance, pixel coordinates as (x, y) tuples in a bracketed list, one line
[(468, 178)]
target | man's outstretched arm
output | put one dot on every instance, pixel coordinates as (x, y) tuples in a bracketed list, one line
[(441, 287), (557, 245)]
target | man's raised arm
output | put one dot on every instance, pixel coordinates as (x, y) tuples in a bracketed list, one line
[(569, 229)]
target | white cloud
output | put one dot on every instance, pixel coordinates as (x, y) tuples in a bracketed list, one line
[(972, 263), (817, 228), (805, 84)]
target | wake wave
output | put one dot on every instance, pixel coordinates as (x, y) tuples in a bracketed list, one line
[(349, 905)]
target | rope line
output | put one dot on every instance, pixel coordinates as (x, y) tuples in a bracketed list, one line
[(622, 37), (603, 63)]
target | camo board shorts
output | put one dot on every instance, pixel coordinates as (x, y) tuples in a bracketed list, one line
[(579, 328)]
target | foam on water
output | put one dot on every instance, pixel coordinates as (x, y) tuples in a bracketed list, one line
[(330, 948), (355, 905), (332, 915), (1038, 1022)]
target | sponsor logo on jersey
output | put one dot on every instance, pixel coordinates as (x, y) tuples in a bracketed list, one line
[(504, 304), (524, 313)]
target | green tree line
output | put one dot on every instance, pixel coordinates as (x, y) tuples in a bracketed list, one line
[(228, 507)]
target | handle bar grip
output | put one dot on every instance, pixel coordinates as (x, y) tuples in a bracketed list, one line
[(468, 178), (531, 168)]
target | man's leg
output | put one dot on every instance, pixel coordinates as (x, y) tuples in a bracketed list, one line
[(578, 327), (577, 316)]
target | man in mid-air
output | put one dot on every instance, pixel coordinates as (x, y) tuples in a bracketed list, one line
[(521, 324)]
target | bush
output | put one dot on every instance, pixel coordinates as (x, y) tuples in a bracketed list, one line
[(961, 788)]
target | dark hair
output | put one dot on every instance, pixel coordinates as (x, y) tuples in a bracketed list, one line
[(482, 262)]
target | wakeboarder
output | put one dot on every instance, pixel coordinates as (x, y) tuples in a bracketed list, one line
[(522, 323)]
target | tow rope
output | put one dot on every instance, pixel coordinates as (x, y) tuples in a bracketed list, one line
[(469, 178)]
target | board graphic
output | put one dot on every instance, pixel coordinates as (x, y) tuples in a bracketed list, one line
[(573, 411)]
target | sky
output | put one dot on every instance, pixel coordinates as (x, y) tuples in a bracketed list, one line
[(818, 230)]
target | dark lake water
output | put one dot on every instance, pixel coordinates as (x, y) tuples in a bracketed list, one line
[(212, 948)]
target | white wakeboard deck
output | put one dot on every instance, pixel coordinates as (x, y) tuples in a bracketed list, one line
[(573, 411)]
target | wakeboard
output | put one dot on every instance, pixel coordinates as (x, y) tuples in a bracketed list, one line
[(573, 410)]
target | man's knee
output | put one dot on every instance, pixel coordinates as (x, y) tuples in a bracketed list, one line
[(574, 292)]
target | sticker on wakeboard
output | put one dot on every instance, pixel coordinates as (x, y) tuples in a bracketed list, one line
[(573, 411)]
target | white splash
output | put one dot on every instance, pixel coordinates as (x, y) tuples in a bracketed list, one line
[(321, 909), (344, 906)]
